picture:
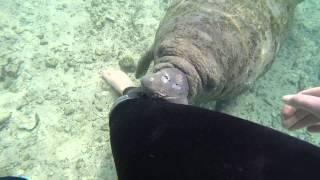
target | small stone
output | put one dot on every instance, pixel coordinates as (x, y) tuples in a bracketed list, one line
[(95, 3), (28, 123), (26, 157), (51, 62), (4, 118), (40, 36), (61, 7), (110, 18), (3, 61), (18, 29), (68, 110), (1, 74), (99, 104), (43, 42), (99, 139), (80, 164), (40, 100), (105, 127), (67, 129), (99, 52), (22, 104), (127, 64), (99, 24), (12, 69)]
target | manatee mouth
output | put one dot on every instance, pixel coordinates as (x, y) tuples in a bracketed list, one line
[(150, 88), (168, 83)]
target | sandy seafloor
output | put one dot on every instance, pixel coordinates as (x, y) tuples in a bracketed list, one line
[(54, 106)]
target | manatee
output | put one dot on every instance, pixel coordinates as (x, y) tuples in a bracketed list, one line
[(207, 50)]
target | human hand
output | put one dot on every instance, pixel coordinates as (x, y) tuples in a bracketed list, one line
[(117, 79), (302, 110)]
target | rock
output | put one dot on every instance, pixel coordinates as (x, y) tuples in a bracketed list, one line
[(4, 118), (28, 124), (51, 62), (12, 69), (40, 36), (80, 164), (68, 110), (99, 51), (61, 7), (127, 64), (18, 29), (1, 74), (43, 42), (99, 104), (101, 100), (105, 127)]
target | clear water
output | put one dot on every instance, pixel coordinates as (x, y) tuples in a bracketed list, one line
[(54, 106)]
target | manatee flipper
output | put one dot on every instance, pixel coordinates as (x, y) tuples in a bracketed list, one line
[(144, 63)]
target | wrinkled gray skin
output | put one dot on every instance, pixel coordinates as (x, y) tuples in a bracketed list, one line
[(220, 46)]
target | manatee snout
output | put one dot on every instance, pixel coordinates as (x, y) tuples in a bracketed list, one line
[(169, 83)]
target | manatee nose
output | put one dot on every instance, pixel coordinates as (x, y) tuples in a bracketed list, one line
[(147, 81)]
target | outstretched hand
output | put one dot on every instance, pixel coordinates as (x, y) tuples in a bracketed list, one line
[(117, 79), (302, 110)]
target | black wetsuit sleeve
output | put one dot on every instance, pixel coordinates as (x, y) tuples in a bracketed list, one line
[(130, 93), (134, 92)]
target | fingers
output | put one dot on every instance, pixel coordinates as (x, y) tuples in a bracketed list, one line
[(312, 91), (306, 102), (288, 111), (314, 128), (294, 119), (302, 110), (308, 121)]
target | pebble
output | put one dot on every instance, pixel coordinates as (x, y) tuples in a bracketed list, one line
[(1, 74), (99, 52), (68, 110), (51, 62), (43, 42), (12, 69), (40, 36), (110, 18), (4, 118), (99, 104), (105, 127), (18, 29), (80, 164)]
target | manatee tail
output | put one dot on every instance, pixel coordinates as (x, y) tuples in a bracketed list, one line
[(144, 63)]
